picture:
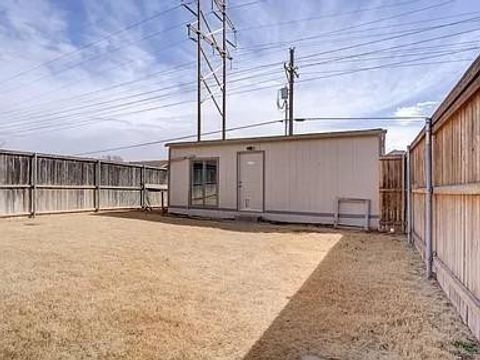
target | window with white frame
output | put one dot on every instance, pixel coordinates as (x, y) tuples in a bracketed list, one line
[(204, 183)]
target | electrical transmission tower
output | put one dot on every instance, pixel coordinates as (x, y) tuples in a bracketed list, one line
[(212, 30)]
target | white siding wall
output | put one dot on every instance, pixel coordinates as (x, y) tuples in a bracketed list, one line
[(301, 176), (180, 172)]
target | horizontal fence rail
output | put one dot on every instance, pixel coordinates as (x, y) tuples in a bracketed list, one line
[(32, 184), (444, 196)]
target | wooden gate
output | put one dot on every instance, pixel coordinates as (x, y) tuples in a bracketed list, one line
[(392, 192)]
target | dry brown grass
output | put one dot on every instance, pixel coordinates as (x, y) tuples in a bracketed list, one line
[(143, 286)]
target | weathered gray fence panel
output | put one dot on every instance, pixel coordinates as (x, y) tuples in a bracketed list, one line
[(64, 172), (14, 201), (42, 183), (15, 169), (14, 183), (60, 200), (156, 199), (119, 199), (153, 176)]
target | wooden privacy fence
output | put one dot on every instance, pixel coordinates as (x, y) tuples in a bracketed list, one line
[(33, 184), (392, 193), (444, 196)]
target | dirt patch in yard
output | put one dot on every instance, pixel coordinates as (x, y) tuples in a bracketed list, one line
[(135, 285)]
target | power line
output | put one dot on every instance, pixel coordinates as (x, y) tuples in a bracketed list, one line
[(319, 36), (433, 53), (139, 95), (129, 82), (116, 49), (430, 20), (175, 86), (269, 64), (235, 93), (64, 126), (348, 28), (338, 58), (164, 141), (373, 118), (363, 70), (86, 46), (402, 55), (325, 77), (327, 16), (409, 65), (173, 70), (90, 105), (313, 43), (409, 33), (376, 50), (124, 98), (249, 90), (128, 44), (99, 56), (246, 4), (336, 74)]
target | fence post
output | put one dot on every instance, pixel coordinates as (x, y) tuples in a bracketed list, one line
[(428, 197), (142, 192), (409, 196), (33, 185), (163, 201), (98, 165)]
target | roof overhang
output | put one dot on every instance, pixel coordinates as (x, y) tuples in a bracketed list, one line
[(268, 139)]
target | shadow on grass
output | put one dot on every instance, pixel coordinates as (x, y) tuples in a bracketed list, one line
[(352, 306), (229, 225), (360, 302), (314, 323)]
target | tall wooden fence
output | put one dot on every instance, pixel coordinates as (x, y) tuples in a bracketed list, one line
[(449, 233), (392, 193), (39, 183)]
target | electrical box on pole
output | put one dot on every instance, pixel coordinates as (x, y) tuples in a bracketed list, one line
[(282, 104)]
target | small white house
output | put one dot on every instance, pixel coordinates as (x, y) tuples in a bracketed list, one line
[(322, 178)]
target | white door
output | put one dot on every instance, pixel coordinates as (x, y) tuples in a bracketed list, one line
[(250, 181)]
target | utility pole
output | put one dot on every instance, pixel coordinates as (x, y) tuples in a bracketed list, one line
[(203, 33), (291, 72)]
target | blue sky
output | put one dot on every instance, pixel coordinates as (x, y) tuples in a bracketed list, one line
[(78, 76)]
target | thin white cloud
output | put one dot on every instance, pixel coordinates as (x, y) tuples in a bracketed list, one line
[(420, 109)]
